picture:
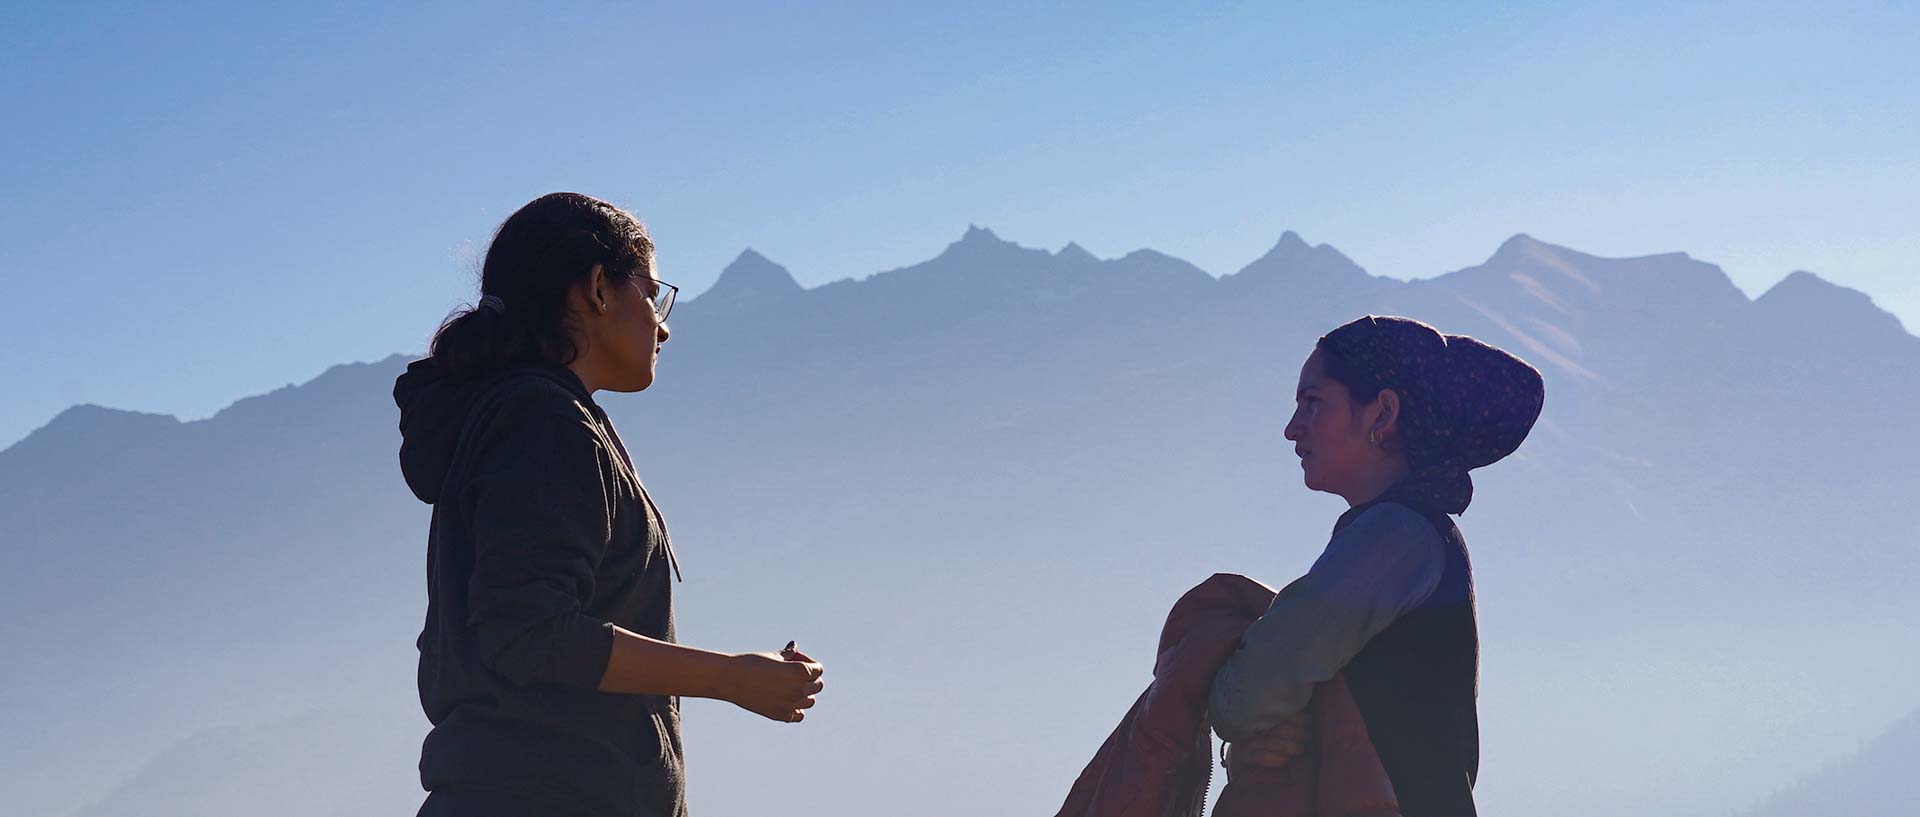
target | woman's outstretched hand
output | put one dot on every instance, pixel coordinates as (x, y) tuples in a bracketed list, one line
[(1270, 749), (777, 686)]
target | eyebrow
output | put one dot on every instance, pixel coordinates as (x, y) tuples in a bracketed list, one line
[(1302, 392)]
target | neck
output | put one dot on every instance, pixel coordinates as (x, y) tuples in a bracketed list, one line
[(584, 370), (1375, 483)]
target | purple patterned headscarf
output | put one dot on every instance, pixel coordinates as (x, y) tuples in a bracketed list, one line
[(1463, 403)]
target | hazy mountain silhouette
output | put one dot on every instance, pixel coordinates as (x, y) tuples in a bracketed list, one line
[(1876, 781), (751, 278), (973, 486), (341, 763)]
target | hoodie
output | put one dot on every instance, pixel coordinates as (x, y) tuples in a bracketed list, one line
[(542, 539)]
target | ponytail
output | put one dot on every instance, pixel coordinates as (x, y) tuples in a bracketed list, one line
[(471, 341)]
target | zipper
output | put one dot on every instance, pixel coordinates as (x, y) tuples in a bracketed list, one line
[(1206, 786)]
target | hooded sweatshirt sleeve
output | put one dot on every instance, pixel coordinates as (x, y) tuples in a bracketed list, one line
[(1380, 567), (541, 518)]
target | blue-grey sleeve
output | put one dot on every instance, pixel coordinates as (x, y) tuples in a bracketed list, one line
[(1386, 562), (541, 524)]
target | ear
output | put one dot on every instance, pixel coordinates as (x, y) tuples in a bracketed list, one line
[(597, 289), (1387, 420)]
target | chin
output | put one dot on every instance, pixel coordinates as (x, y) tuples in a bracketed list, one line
[(1315, 484), (639, 383)]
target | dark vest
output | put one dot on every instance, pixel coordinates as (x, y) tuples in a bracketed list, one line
[(1417, 683)]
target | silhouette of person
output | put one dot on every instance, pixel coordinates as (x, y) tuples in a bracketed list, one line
[(1390, 415), (548, 663)]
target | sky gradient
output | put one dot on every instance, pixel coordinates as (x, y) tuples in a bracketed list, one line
[(212, 201)]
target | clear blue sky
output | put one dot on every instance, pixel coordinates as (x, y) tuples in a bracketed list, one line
[(205, 201)]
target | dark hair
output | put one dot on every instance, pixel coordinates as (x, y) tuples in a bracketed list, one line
[(537, 256)]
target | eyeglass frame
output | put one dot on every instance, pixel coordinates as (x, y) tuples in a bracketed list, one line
[(673, 294)]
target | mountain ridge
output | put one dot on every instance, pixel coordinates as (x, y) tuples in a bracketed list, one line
[(753, 278)]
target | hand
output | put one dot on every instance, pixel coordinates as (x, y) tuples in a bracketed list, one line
[(776, 686), (1273, 748)]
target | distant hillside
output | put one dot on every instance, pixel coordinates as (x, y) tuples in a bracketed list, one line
[(1876, 781), (973, 486)]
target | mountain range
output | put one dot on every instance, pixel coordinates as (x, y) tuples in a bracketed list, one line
[(973, 486)]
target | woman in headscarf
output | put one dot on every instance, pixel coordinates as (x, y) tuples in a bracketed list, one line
[(1390, 415)]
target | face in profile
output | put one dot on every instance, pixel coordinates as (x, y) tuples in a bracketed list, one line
[(627, 336), (1327, 430)]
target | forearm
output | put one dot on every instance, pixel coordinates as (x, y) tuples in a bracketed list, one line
[(1383, 564), (638, 665), (1268, 679)]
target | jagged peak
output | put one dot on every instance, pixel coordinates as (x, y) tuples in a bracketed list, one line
[(977, 234), (1290, 241), (1292, 246), (1564, 277), (1803, 281), (1074, 252), (752, 275), (1802, 289), (1522, 245), (91, 421), (1292, 253), (92, 414), (982, 243)]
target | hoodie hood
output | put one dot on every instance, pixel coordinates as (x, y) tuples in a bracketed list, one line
[(434, 408)]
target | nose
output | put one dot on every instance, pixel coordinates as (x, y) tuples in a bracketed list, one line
[(1294, 428), (664, 332)]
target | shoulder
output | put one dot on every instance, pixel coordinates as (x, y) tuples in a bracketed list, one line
[(1388, 532), (1391, 520), (530, 395), (528, 416)]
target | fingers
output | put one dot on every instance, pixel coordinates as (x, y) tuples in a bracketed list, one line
[(1277, 746), (1267, 752), (806, 695), (794, 656), (1268, 760), (796, 712), (1281, 746), (1298, 722), (1285, 733), (1294, 729), (804, 688), (786, 686)]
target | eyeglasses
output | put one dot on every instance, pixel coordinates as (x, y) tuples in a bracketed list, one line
[(663, 293)]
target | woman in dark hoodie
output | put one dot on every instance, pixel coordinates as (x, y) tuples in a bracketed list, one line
[(1390, 415), (548, 665)]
